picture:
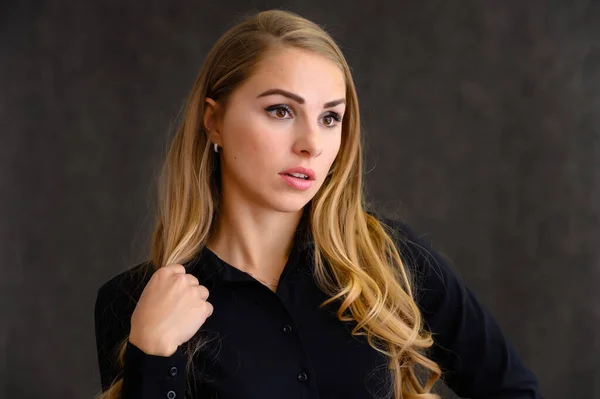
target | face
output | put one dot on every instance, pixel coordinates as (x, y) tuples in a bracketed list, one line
[(287, 115)]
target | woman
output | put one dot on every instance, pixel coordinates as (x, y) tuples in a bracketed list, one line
[(268, 278)]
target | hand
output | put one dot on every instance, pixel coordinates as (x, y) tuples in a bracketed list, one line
[(171, 309)]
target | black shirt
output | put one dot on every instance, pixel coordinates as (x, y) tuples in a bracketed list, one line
[(265, 345)]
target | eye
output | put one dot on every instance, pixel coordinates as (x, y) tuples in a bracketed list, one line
[(331, 118), (280, 111)]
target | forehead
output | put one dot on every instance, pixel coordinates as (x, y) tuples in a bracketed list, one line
[(308, 74)]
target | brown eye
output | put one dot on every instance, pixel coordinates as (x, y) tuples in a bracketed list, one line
[(330, 119), (280, 111)]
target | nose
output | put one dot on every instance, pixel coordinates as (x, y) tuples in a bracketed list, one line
[(309, 141)]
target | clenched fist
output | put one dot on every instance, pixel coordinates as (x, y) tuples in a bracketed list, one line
[(171, 309)]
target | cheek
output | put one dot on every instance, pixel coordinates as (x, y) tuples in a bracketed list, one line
[(333, 148), (254, 140)]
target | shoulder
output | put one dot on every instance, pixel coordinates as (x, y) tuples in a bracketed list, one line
[(126, 283), (432, 272), (437, 286), (414, 247), (117, 297)]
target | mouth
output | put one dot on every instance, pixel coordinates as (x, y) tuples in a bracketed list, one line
[(297, 176), (297, 182), (300, 172)]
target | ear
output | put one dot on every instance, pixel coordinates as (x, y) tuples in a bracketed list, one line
[(211, 120)]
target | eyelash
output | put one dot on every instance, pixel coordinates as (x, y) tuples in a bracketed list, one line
[(337, 117)]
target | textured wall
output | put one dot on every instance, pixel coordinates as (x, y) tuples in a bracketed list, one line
[(482, 123)]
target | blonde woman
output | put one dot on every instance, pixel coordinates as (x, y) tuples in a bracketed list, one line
[(267, 276)]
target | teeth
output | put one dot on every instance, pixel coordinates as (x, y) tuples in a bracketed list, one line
[(300, 175)]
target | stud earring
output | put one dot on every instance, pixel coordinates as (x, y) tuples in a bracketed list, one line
[(216, 147)]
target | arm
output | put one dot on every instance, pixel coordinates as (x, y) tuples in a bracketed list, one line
[(476, 359), (144, 376)]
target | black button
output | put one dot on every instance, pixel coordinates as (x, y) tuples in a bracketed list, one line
[(302, 376), (173, 371), (287, 329), (171, 395)]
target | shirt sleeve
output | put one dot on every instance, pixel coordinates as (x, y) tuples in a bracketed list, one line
[(477, 359), (153, 377), (144, 376)]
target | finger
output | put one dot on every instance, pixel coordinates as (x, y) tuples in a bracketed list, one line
[(175, 268), (209, 309), (203, 292), (191, 279)]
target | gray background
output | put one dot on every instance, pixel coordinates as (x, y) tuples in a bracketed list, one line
[(482, 123)]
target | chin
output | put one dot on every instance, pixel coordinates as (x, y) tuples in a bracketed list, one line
[(289, 203)]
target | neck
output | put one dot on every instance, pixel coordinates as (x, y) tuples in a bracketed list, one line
[(255, 241)]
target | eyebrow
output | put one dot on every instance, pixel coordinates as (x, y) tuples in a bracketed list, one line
[(299, 99)]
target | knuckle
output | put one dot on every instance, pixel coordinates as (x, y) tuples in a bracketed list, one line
[(177, 268), (160, 273), (180, 278), (170, 269)]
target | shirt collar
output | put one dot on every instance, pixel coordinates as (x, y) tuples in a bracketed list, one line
[(210, 269)]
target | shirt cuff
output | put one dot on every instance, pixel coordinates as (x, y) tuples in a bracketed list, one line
[(153, 377)]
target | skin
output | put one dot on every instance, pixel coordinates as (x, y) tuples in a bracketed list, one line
[(260, 212)]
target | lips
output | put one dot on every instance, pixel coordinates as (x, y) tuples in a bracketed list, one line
[(300, 172), (297, 183)]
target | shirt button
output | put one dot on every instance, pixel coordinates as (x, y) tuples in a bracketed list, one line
[(173, 371), (302, 377), (171, 395), (287, 329)]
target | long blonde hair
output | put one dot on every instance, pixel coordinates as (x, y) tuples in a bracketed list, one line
[(366, 274)]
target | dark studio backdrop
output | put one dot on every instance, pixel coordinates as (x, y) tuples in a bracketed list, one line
[(482, 123)]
